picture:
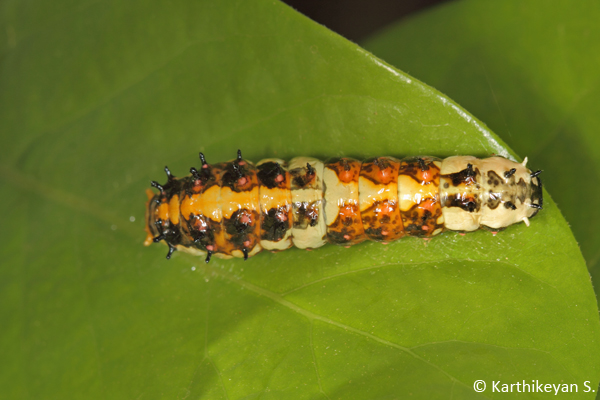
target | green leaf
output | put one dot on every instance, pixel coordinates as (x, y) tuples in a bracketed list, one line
[(96, 97), (531, 73)]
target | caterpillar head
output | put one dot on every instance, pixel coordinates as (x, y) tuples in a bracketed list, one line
[(511, 192), (494, 192)]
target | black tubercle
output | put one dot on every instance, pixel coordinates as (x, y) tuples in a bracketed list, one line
[(532, 205), (470, 172), (303, 176), (239, 155), (245, 251), (171, 250), (471, 206), (157, 185), (165, 229), (195, 174), (202, 176), (237, 169), (422, 164), (346, 165), (171, 187), (536, 173), (510, 173), (233, 172), (170, 176), (208, 256)]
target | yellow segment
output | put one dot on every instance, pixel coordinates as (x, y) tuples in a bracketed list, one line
[(370, 193), (274, 198), (337, 195), (174, 210), (163, 211), (234, 201), (208, 203), (411, 192)]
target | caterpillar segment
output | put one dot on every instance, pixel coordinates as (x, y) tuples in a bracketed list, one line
[(237, 209)]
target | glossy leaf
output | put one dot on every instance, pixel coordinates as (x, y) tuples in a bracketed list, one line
[(531, 73), (96, 97)]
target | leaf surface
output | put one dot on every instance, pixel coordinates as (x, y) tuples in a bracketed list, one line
[(531, 73)]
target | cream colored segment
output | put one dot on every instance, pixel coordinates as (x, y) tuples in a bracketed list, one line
[(337, 195), (208, 203), (457, 219), (234, 201), (410, 192), (501, 216), (239, 254), (191, 250), (311, 236), (275, 160), (454, 164), (369, 193), (283, 244), (201, 253), (300, 162), (501, 165)]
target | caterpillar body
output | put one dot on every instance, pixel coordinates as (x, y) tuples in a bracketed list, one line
[(237, 209)]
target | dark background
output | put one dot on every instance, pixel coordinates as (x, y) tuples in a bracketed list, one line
[(357, 19)]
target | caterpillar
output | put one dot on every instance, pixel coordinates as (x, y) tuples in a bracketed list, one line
[(236, 208)]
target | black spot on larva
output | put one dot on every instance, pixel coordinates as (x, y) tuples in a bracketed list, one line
[(466, 176), (493, 200), (510, 173), (233, 172), (268, 174), (303, 176), (536, 193), (272, 227), (510, 205), (306, 214), (495, 179), (466, 203), (471, 206), (446, 185), (346, 165)]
